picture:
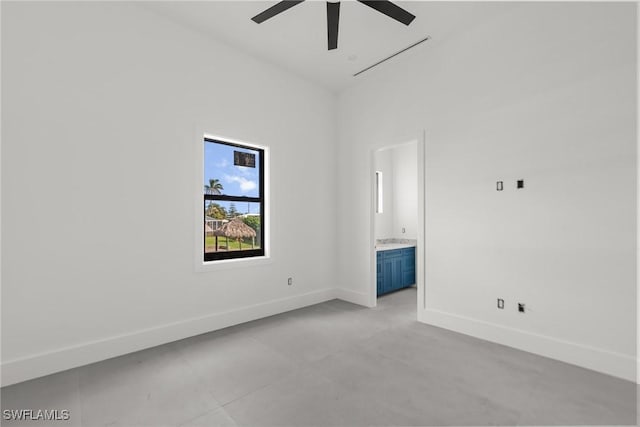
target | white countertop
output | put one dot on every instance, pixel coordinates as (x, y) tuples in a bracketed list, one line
[(390, 246)]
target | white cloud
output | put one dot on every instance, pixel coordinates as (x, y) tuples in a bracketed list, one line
[(222, 164), (245, 170), (245, 184)]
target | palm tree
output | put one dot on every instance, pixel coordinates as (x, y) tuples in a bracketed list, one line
[(214, 187)]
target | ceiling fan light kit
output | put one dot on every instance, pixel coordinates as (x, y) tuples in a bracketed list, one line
[(333, 15)]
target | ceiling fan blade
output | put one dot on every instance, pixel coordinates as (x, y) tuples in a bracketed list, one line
[(333, 18), (390, 9), (274, 10)]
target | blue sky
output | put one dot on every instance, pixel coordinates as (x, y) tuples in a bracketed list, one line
[(236, 180)]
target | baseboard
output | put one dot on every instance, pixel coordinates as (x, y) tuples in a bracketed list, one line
[(615, 364), (353, 297), (30, 367)]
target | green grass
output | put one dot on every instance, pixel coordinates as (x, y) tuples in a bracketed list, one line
[(232, 244)]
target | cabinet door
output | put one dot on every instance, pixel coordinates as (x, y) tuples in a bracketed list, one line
[(379, 273), (397, 273), (408, 278), (409, 255), (387, 281), (409, 267)]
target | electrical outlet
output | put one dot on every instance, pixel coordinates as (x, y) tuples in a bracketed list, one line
[(403, 230), (499, 186), (290, 281), (520, 183), (500, 303), (521, 307)]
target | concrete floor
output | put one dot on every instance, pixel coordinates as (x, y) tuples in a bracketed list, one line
[(327, 365)]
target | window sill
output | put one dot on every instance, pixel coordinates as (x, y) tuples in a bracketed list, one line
[(225, 264)]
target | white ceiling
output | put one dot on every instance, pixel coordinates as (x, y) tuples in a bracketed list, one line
[(297, 38)]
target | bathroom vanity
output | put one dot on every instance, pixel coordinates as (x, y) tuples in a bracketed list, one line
[(396, 266)]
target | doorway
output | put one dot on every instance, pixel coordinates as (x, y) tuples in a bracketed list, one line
[(398, 220)]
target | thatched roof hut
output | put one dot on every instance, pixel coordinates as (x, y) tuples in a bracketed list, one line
[(236, 229)]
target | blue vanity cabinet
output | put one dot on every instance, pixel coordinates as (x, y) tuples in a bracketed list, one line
[(396, 269)]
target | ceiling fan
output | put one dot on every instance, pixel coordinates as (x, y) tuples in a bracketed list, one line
[(333, 14)]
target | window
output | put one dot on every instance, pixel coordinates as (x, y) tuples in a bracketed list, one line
[(379, 201), (233, 198)]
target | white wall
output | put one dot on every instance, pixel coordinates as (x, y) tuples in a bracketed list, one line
[(100, 106), (405, 191), (545, 92)]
